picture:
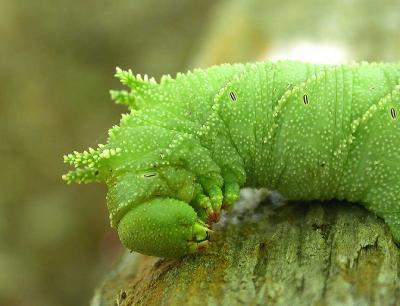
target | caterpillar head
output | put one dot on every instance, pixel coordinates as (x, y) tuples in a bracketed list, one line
[(163, 185), (163, 227), (149, 207)]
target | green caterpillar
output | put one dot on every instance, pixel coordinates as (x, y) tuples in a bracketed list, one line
[(189, 144)]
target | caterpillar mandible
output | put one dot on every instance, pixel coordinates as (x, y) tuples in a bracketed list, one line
[(190, 143)]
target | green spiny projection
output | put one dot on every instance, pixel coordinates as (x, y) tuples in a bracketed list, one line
[(189, 144)]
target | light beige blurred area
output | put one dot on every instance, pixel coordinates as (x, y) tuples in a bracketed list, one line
[(338, 31), (57, 61)]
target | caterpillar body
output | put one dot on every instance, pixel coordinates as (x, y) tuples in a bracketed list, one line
[(189, 144)]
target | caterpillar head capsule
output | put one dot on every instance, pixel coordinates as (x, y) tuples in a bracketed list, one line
[(163, 227)]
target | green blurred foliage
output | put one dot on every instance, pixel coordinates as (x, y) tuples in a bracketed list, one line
[(57, 61)]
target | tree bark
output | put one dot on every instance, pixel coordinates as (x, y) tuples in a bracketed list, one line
[(327, 253)]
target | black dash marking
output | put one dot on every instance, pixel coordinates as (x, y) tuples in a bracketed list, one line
[(150, 174), (305, 99), (232, 95), (393, 113)]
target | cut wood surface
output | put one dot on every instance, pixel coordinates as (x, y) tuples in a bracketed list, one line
[(328, 253)]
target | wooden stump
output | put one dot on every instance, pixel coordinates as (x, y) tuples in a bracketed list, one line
[(327, 253)]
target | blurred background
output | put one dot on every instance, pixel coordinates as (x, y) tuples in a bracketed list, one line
[(57, 61)]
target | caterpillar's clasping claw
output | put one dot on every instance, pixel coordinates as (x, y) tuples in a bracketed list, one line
[(200, 238), (213, 215), (199, 246)]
